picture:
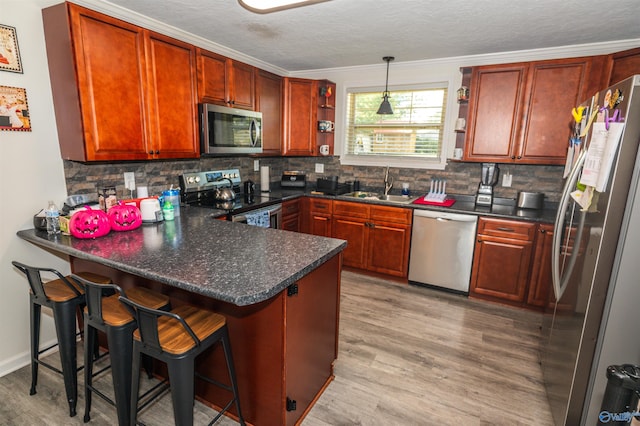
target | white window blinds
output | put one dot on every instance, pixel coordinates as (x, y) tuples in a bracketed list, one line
[(415, 129)]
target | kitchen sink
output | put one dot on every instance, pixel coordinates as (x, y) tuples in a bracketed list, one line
[(399, 199)]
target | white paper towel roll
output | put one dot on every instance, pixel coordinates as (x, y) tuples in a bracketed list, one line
[(264, 178)]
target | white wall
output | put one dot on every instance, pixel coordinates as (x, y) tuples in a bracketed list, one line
[(31, 173)]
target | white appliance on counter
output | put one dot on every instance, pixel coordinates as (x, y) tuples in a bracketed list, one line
[(594, 317), (442, 246)]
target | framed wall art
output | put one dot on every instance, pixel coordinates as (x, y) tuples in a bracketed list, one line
[(9, 53), (14, 112)]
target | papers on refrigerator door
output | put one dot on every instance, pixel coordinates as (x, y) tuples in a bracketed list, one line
[(600, 155)]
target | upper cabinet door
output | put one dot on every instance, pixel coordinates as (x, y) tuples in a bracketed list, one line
[(224, 81), (521, 113), (120, 92), (173, 118), (495, 110), (269, 102), (244, 85), (299, 116), (554, 87), (212, 78), (111, 77), (623, 65)]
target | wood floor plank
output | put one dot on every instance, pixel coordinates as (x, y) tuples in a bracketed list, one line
[(407, 356)]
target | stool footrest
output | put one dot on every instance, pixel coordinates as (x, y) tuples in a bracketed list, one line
[(156, 391), (214, 382)]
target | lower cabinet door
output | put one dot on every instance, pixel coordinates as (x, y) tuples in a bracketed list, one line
[(501, 268), (320, 224), (389, 249), (355, 232)]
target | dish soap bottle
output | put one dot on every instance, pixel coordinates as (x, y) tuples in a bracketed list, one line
[(167, 210), (53, 219)]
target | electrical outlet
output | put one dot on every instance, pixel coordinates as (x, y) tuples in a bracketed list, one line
[(130, 181), (506, 180), (256, 165), (319, 168)]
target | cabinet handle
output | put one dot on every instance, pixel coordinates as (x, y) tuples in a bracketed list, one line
[(519, 157), (157, 152), (513, 157), (542, 231), (505, 229), (151, 152)]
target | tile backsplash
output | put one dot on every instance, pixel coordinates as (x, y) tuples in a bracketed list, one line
[(462, 178)]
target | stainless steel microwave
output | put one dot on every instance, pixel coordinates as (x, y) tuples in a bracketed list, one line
[(226, 130)]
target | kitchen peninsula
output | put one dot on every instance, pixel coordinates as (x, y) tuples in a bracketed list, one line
[(279, 291)]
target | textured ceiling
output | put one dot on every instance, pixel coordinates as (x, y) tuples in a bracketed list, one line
[(340, 33)]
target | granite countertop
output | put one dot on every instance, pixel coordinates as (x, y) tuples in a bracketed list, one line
[(504, 208), (228, 261)]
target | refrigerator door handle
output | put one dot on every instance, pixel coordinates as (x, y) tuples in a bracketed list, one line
[(560, 282)]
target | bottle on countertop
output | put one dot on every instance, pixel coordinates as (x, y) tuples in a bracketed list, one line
[(168, 210), (405, 190), (53, 219)]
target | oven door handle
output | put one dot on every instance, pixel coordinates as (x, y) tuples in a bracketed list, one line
[(273, 211)]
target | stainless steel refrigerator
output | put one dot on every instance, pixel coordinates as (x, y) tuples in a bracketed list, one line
[(593, 318)]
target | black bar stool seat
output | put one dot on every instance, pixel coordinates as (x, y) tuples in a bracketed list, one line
[(63, 296), (104, 312), (177, 338)]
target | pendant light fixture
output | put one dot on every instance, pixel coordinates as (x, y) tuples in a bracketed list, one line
[(385, 106)]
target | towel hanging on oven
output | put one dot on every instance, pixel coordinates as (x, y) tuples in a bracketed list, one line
[(260, 218)]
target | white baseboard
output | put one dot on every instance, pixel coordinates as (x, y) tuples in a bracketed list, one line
[(23, 359)]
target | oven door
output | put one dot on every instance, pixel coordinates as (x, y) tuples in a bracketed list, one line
[(267, 217)]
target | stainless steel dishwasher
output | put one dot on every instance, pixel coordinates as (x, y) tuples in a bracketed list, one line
[(442, 249)]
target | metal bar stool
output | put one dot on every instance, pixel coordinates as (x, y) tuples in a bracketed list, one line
[(63, 296), (104, 312), (177, 338)]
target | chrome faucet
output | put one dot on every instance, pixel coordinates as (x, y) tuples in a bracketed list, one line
[(388, 182)]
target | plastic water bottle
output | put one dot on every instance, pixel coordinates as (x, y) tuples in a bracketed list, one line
[(168, 210), (53, 219)]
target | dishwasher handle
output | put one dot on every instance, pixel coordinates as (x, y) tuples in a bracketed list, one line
[(444, 216)]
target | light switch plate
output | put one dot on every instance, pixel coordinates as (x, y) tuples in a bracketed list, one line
[(256, 165), (319, 168), (130, 181), (506, 180)]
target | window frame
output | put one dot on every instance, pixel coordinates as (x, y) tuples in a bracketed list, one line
[(448, 135)]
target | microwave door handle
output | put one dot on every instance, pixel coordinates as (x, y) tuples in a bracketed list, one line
[(254, 132)]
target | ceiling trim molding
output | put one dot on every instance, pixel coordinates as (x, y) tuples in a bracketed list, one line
[(571, 51)]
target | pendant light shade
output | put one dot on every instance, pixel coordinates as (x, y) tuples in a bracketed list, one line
[(385, 106)]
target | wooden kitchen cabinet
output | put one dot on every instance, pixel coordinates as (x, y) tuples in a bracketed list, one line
[(378, 236), (502, 260), (120, 92), (269, 102), (226, 82), (326, 111), (521, 113), (291, 215), (623, 65), (540, 282), (300, 112), (319, 220)]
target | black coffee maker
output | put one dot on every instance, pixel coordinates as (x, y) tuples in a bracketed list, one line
[(488, 179), (249, 191)]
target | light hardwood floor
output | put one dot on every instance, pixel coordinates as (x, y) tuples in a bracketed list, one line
[(407, 356)]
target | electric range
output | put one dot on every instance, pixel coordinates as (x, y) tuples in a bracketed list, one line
[(199, 189)]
